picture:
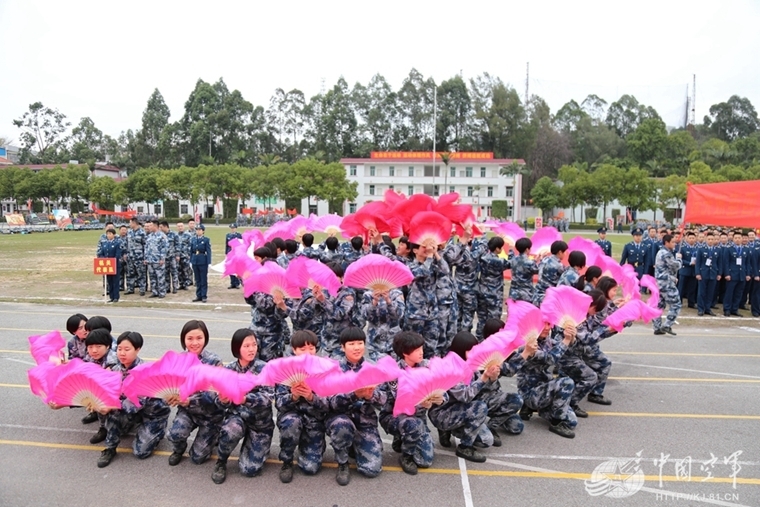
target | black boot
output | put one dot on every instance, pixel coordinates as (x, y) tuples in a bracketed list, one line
[(220, 471), (176, 455), (105, 457)]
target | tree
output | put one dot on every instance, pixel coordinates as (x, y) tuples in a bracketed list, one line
[(42, 130), (13, 183), (499, 117), (626, 114), (550, 151), (733, 119), (151, 143), (636, 190), (732, 173), (592, 141), (545, 195), (106, 192), (87, 142), (680, 147), (568, 116), (595, 107), (455, 108), (608, 181), (672, 189), (143, 185)]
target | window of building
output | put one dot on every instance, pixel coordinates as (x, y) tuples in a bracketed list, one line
[(410, 189), (352, 170), (391, 171), (157, 209), (352, 207), (452, 189), (371, 170), (411, 172), (183, 209), (469, 191), (482, 172), (432, 190), (490, 192), (468, 172), (452, 172), (509, 191), (372, 190), (429, 171), (141, 209)]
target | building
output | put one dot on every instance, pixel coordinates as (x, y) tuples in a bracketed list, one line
[(475, 176)]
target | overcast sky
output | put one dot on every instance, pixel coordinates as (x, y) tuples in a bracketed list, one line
[(103, 59)]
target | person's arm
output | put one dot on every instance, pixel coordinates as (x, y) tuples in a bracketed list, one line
[(624, 257)]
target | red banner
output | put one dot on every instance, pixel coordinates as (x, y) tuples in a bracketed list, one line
[(428, 155), (104, 266), (735, 204)]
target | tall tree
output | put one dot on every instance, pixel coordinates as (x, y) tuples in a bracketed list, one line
[(733, 119), (647, 142), (455, 107), (569, 116), (87, 142), (151, 147), (42, 134), (608, 180), (627, 113)]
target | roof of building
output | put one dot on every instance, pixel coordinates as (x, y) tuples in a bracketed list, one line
[(39, 167), (5, 161)]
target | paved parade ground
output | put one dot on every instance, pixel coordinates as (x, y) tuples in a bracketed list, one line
[(682, 430)]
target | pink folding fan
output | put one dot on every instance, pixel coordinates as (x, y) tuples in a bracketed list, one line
[(565, 306), (47, 347), (631, 311), (88, 385), (271, 279), (279, 229), (329, 224), (648, 282), (416, 385), (494, 350), (38, 378), (223, 381), (378, 273), (542, 241), (510, 232), (305, 272), (588, 247), (370, 375), (161, 379), (524, 319), (292, 370), (430, 229)]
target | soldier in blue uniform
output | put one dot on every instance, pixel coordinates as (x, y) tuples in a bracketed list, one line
[(290, 253), (736, 271), (136, 269), (156, 251), (233, 234), (687, 281), (184, 269), (708, 269), (754, 293), (603, 242), (111, 248), (466, 278), (635, 254), (124, 246), (339, 312), (268, 322), (446, 293), (200, 258), (352, 251), (523, 269), (384, 313), (330, 251), (550, 270), (422, 315), (352, 423), (251, 421), (665, 270), (171, 266), (576, 262), (309, 312), (491, 283), (308, 247)]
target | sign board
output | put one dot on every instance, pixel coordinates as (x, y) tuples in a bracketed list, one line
[(539, 222), (610, 224), (15, 219), (104, 266)]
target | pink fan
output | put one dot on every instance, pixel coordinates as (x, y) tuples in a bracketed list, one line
[(299, 226), (407, 209), (632, 310), (161, 379), (542, 240), (588, 247), (339, 382), (650, 283), (511, 232), (447, 207), (280, 229), (46, 347), (223, 381), (430, 229), (372, 216), (393, 198), (329, 224), (305, 272), (378, 273), (271, 279), (77, 383), (292, 370), (239, 263), (254, 238), (611, 268), (565, 306), (349, 227), (416, 385), (470, 222), (494, 350), (38, 379), (524, 319), (630, 282)]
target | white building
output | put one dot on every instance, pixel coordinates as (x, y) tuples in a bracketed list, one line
[(474, 175)]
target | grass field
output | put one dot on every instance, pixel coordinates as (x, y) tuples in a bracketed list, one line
[(57, 266)]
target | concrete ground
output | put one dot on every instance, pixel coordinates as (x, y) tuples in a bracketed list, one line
[(682, 406)]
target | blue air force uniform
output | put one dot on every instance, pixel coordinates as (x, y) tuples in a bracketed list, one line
[(737, 266), (708, 267), (200, 258), (635, 254)]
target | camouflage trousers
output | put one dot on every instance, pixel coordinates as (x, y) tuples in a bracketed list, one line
[(517, 294), (430, 329), (157, 275), (449, 314), (583, 376), (415, 437), (463, 420), (467, 303), (185, 271), (148, 431), (380, 341), (306, 433), (669, 297), (503, 410), (136, 275), (172, 274), (205, 440), (601, 364), (552, 400), (490, 306), (344, 434), (257, 441), (271, 346)]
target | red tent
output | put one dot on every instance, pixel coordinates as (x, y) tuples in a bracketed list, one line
[(736, 204)]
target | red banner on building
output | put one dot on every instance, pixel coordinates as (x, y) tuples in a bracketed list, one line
[(104, 266), (428, 155)]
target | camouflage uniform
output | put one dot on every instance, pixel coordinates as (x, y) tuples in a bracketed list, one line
[(172, 264), (283, 260), (149, 420), (184, 268), (573, 363), (269, 325), (490, 289), (421, 304), (76, 348), (463, 415), (538, 387), (445, 295), (569, 277), (205, 412), (666, 268), (301, 423), (466, 277), (353, 422), (338, 316), (250, 421), (327, 256), (411, 429), (503, 407), (521, 287), (308, 313), (136, 269), (311, 253), (156, 251), (550, 270), (384, 321), (349, 254)]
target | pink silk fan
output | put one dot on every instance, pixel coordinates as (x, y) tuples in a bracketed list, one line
[(305, 272), (293, 370), (416, 385), (272, 279), (223, 381), (370, 375), (378, 273), (88, 385), (494, 350), (38, 379), (47, 347), (430, 229), (542, 241), (631, 311), (161, 379), (565, 306), (524, 319)]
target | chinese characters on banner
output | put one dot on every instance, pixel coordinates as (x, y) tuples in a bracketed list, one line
[(106, 266)]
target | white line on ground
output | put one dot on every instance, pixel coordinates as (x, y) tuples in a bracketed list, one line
[(752, 329), (688, 369), (599, 458), (465, 480), (20, 361), (43, 428)]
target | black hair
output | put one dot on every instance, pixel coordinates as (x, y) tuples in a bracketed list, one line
[(238, 337), (112, 231), (98, 322), (192, 325), (667, 238), (352, 334), (100, 336), (331, 243), (135, 220), (492, 326), (154, 222), (164, 223), (279, 243), (690, 233), (606, 283), (132, 337), (494, 243), (558, 246), (109, 222), (591, 273), (598, 299), (357, 243), (576, 259), (462, 342), (407, 342), (263, 252), (307, 239), (336, 268), (389, 243), (122, 227), (291, 246), (72, 323), (304, 337), (523, 244)]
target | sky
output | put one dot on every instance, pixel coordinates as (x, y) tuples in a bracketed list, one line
[(103, 59)]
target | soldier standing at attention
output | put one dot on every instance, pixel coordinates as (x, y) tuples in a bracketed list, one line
[(172, 258), (603, 242), (708, 271), (233, 234), (200, 258), (634, 253), (136, 258), (666, 268), (156, 249), (687, 281), (184, 270), (123, 258)]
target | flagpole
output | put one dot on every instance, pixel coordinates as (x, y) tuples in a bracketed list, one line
[(435, 122)]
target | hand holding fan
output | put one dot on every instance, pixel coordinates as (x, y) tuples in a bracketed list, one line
[(418, 385), (525, 320), (329, 224), (632, 310), (565, 306), (373, 216), (370, 375), (378, 273), (226, 383), (161, 379), (271, 279), (430, 229), (305, 272), (542, 241), (493, 351), (295, 369), (77, 383), (299, 226), (47, 347), (650, 283)]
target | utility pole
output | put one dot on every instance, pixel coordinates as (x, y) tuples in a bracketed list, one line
[(527, 82), (694, 101), (435, 123)]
